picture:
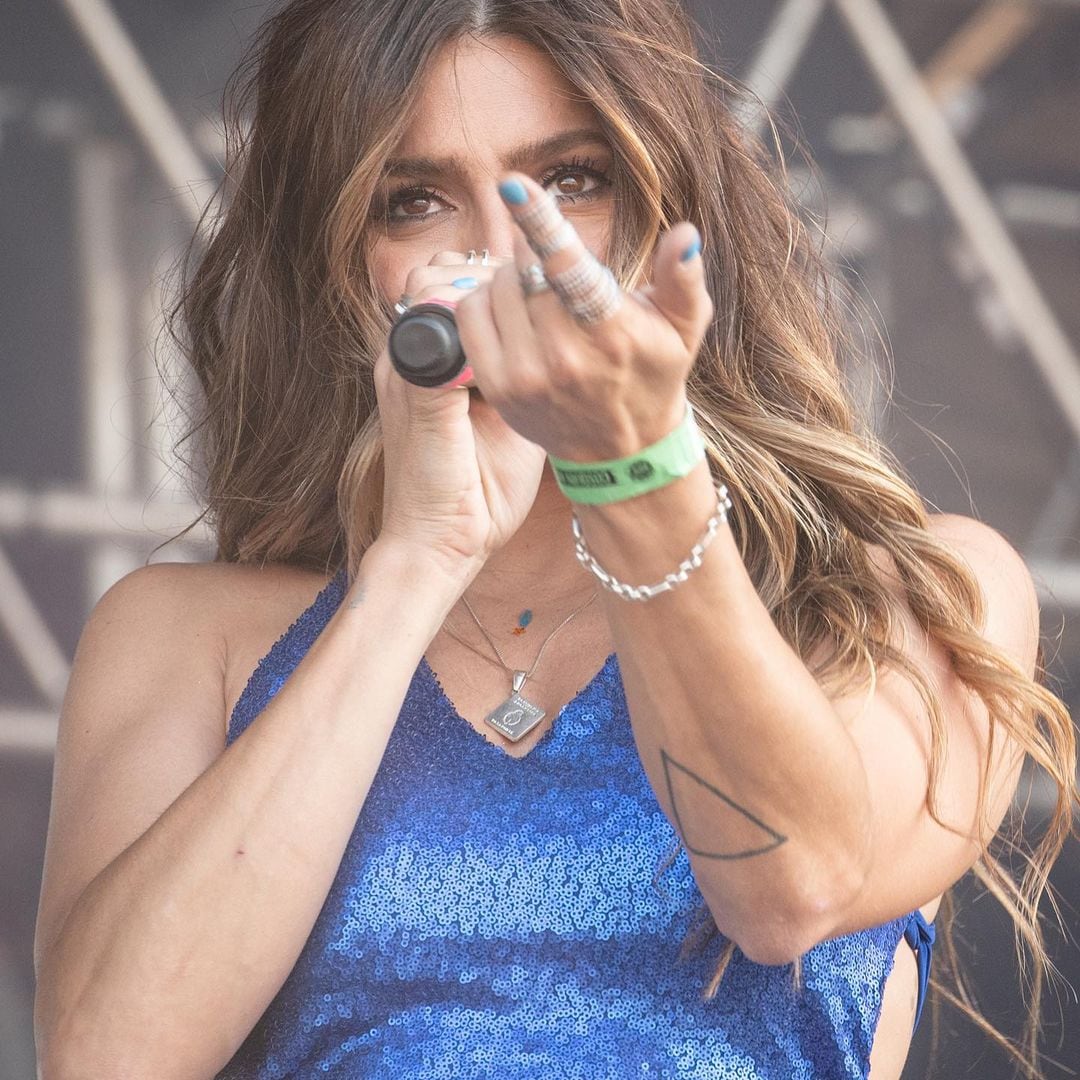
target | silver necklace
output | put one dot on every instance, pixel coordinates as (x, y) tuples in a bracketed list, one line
[(516, 716)]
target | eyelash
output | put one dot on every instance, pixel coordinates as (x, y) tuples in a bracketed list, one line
[(586, 165)]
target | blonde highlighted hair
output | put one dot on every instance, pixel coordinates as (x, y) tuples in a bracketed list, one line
[(281, 322)]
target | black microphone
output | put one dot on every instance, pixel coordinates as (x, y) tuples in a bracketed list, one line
[(425, 348)]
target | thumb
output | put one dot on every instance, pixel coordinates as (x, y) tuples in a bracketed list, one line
[(678, 283)]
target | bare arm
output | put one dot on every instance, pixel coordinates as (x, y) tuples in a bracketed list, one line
[(804, 813), (172, 952)]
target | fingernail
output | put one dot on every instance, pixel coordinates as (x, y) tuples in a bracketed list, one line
[(692, 250), (513, 191), (465, 283)]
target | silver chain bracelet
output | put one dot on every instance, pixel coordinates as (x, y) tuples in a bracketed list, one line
[(692, 562)]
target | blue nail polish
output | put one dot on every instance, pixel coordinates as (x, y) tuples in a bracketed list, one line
[(465, 283), (513, 191), (692, 250)]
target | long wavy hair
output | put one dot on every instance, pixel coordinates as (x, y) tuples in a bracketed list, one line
[(281, 322)]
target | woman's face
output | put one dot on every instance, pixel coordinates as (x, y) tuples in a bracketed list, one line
[(487, 107)]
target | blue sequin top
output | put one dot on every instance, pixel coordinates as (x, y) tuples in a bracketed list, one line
[(498, 917)]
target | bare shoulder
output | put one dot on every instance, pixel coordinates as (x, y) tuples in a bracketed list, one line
[(145, 709), (217, 616), (1012, 604), (212, 590), (214, 600), (153, 610), (184, 632), (1010, 600)]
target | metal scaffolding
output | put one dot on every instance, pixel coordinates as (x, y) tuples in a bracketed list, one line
[(919, 102), (126, 495)]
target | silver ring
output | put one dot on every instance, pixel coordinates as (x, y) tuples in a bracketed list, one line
[(470, 258), (484, 260), (403, 304), (588, 290), (533, 280)]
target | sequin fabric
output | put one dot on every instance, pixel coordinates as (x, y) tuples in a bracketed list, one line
[(496, 917)]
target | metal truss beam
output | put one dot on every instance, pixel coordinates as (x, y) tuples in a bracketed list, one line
[(153, 119), (792, 25), (106, 325), (945, 161), (1031, 316), (983, 42), (28, 731), (69, 512), (41, 654), (971, 206)]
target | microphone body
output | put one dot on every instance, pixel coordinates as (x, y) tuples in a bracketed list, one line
[(425, 348)]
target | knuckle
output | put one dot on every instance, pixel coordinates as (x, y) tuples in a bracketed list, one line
[(416, 279), (564, 369), (380, 373), (447, 258)]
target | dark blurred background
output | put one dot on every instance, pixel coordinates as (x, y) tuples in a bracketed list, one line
[(944, 135)]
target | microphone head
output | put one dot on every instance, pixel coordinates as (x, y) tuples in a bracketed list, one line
[(424, 345)]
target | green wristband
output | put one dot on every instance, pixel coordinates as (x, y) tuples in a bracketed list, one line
[(597, 482)]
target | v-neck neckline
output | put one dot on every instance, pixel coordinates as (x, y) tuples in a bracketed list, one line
[(460, 720)]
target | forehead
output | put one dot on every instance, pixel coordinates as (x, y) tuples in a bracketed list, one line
[(479, 95)]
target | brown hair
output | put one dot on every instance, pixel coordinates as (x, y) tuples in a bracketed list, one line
[(281, 323)]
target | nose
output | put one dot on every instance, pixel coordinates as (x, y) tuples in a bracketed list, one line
[(488, 225)]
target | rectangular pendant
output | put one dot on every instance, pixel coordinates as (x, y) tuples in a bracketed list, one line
[(515, 717)]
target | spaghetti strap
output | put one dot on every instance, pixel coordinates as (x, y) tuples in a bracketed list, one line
[(920, 935)]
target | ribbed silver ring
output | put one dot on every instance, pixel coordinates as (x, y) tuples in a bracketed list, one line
[(588, 290)]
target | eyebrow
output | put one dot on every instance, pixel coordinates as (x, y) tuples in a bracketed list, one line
[(456, 166)]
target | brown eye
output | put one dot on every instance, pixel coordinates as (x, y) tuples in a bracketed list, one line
[(408, 204), (412, 204), (572, 177)]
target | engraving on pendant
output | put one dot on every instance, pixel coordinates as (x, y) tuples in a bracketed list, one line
[(515, 717)]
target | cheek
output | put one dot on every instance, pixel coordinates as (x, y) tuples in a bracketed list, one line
[(389, 269), (388, 282), (595, 232)]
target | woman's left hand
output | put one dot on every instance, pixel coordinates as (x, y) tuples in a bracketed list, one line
[(587, 391)]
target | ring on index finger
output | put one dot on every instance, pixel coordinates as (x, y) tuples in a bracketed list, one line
[(588, 290)]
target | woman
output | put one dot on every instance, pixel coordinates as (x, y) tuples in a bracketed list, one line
[(316, 811)]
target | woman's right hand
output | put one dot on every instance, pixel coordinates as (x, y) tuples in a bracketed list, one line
[(459, 481)]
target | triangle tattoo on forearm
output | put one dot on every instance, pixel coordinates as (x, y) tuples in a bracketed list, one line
[(678, 777)]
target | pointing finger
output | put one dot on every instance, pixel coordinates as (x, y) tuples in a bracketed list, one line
[(584, 285)]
